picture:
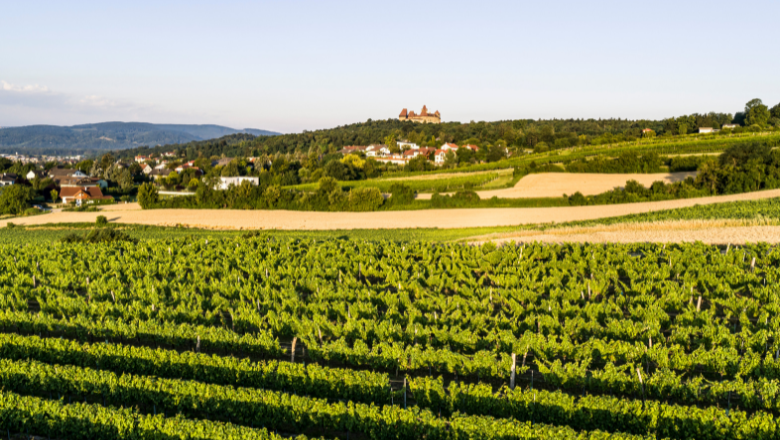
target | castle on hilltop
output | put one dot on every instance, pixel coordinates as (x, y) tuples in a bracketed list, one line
[(424, 117)]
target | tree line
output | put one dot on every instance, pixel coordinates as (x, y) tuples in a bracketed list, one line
[(514, 135)]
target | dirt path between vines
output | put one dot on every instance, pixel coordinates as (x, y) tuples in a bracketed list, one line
[(544, 185), (301, 220)]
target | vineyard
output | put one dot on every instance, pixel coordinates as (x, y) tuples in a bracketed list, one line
[(268, 337)]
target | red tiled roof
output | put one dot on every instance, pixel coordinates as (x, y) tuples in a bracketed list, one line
[(82, 192), (403, 113)]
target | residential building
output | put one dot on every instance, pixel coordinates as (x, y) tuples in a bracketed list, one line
[(406, 145), (184, 166), (706, 130), (146, 169), (160, 174), (448, 146), (141, 159), (32, 174), (222, 162), (439, 156), (60, 174), (377, 150), (8, 179), (81, 190), (729, 126), (473, 148), (225, 182), (82, 194), (424, 117), (352, 149)]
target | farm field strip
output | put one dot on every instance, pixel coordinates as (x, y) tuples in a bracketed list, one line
[(332, 337), (449, 218), (543, 185)]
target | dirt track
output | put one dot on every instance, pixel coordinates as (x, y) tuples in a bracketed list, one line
[(544, 185), (294, 220)]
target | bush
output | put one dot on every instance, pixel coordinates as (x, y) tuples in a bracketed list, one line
[(461, 199), (15, 199), (101, 220), (10, 225), (148, 195), (365, 199), (401, 194)]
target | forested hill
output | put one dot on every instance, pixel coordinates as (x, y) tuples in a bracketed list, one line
[(52, 139), (523, 133)]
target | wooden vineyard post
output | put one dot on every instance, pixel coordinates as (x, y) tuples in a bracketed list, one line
[(404, 393), (514, 368), (292, 352), (639, 373)]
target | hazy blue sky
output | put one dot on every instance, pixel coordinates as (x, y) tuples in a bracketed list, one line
[(302, 65)]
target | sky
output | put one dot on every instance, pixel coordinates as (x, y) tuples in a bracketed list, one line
[(297, 65)]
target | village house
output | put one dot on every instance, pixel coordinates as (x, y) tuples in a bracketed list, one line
[(146, 169), (8, 179), (352, 149), (160, 174), (448, 147), (439, 156), (225, 182), (32, 174), (377, 150), (706, 130), (141, 159), (406, 145), (81, 190), (222, 162), (729, 126), (60, 174)]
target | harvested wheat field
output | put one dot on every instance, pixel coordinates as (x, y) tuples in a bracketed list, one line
[(303, 220), (545, 185), (706, 231)]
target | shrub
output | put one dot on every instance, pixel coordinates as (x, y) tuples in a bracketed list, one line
[(148, 195), (10, 225), (401, 194), (365, 199), (101, 220)]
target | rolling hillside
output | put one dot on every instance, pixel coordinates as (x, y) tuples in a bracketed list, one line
[(109, 136)]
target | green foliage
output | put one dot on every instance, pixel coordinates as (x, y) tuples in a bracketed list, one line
[(15, 199), (401, 194), (103, 235), (101, 220), (756, 113), (365, 199), (147, 195)]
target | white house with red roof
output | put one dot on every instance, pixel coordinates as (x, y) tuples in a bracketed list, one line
[(448, 146), (439, 157)]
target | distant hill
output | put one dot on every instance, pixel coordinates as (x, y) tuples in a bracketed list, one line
[(53, 139)]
